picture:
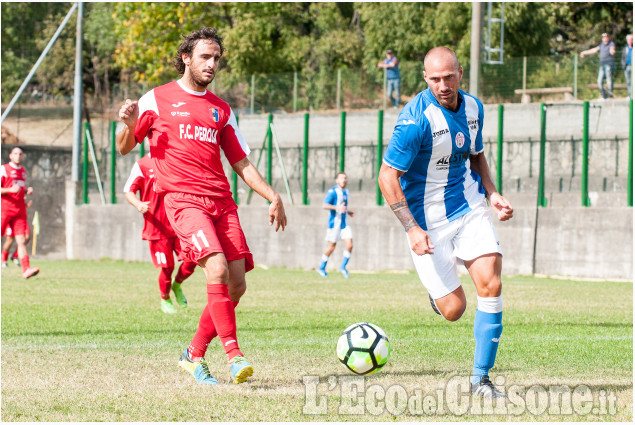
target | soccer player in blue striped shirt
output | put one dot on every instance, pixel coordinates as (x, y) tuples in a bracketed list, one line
[(336, 201), (436, 180)]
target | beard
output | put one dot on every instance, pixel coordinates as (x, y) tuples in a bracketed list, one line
[(199, 79)]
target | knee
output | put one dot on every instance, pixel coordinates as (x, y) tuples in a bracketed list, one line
[(217, 273), (237, 289), (453, 313), (491, 288)]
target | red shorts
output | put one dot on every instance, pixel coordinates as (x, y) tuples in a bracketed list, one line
[(16, 221), (162, 250), (207, 225)]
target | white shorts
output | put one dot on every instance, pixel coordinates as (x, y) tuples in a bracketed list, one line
[(335, 234), (463, 239)]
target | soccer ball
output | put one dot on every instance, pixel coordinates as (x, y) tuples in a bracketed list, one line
[(363, 348)]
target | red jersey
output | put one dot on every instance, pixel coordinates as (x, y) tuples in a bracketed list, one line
[(186, 130), (142, 178), (13, 174)]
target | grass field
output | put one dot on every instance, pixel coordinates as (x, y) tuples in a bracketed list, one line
[(86, 341)]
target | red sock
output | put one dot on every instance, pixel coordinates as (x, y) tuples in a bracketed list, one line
[(165, 282), (15, 254), (185, 271), (5, 256), (24, 261), (218, 318)]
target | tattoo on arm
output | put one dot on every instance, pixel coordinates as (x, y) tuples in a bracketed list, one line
[(404, 215)]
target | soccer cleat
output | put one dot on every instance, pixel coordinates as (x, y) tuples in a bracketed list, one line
[(240, 369), (345, 273), (16, 261), (322, 272), (434, 306), (199, 370), (168, 307), (30, 272), (5, 265), (178, 294), (485, 388)]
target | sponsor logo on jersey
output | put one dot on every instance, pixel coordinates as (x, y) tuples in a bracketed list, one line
[(180, 114), (203, 134), (406, 122), (459, 139), (473, 124), (452, 160), (176, 105), (440, 133), (214, 113)]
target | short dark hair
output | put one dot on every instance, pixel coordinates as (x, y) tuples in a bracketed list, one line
[(190, 41)]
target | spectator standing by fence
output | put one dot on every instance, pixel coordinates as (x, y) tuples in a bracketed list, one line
[(607, 64), (393, 77), (627, 53)]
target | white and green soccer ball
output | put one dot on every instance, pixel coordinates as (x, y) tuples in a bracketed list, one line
[(363, 348)]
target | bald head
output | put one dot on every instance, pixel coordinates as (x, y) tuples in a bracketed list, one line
[(441, 56), (443, 74)]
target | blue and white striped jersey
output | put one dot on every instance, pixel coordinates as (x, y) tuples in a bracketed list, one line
[(432, 145), (337, 196)]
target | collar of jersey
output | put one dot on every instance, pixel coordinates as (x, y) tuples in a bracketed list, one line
[(196, 93), (17, 167)]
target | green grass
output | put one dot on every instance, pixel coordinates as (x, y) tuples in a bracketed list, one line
[(86, 341)]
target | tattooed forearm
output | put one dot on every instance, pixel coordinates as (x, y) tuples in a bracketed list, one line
[(404, 214)]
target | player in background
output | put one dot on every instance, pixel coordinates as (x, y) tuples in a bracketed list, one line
[(158, 232), (187, 127), (336, 201), (436, 179), (14, 190), (8, 241)]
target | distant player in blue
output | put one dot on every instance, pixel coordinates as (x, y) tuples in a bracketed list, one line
[(436, 179), (336, 201)]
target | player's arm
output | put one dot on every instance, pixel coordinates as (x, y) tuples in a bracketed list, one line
[(13, 189), (141, 206), (391, 189), (478, 163), (128, 114), (245, 169)]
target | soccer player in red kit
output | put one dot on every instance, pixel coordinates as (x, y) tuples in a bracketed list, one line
[(14, 208), (158, 232), (187, 127)]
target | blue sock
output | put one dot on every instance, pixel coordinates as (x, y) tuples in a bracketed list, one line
[(347, 256), (488, 327), (325, 259)]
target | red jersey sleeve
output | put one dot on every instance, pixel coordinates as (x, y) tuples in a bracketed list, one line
[(232, 141), (135, 181), (148, 113)]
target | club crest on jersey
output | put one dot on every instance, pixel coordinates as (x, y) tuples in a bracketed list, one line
[(459, 140), (215, 114)]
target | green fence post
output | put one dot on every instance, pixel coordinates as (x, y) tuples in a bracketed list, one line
[(499, 152), (235, 181), (269, 148), (542, 201), (586, 202), (380, 153), (305, 162), (85, 199), (342, 140), (629, 184), (113, 162)]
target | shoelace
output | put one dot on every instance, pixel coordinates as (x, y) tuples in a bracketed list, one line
[(205, 368)]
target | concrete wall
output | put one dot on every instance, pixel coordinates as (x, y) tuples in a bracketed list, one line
[(572, 241)]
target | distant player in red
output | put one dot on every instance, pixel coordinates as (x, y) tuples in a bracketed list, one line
[(187, 127), (158, 232), (14, 190)]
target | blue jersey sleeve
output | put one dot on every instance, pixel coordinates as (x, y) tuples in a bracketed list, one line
[(477, 146), (331, 197), (405, 143)]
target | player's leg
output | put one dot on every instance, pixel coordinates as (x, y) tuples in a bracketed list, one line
[(477, 244), (20, 230), (162, 258), (186, 269), (6, 230), (332, 236), (14, 257), (485, 271), (439, 276), (347, 236)]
